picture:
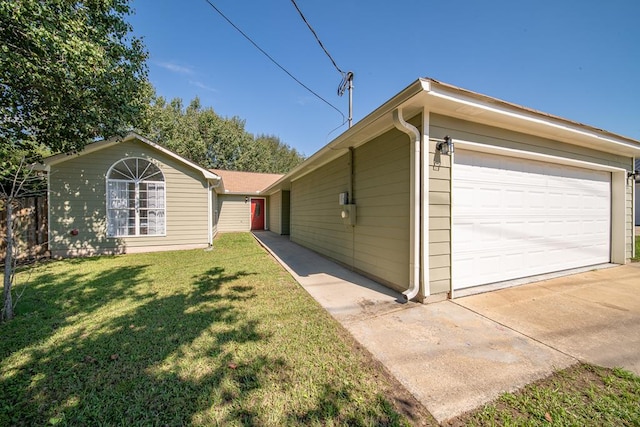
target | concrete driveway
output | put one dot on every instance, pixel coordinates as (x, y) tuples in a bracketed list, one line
[(593, 317), (454, 356)]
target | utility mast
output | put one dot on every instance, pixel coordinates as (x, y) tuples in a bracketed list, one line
[(347, 84)]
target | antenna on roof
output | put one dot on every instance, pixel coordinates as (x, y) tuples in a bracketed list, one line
[(347, 84)]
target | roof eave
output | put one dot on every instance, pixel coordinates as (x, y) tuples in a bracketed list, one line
[(467, 105), (433, 96), (374, 124), (100, 145)]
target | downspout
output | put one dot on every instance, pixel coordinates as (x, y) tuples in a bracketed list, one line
[(210, 190), (634, 211), (414, 213)]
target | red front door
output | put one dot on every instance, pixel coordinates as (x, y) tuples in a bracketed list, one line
[(257, 214)]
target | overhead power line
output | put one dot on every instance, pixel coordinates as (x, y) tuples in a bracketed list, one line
[(274, 61), (317, 38), (347, 78)]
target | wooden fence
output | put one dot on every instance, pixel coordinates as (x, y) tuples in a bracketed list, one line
[(30, 229)]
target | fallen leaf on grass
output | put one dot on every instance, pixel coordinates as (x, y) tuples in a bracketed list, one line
[(547, 416), (90, 359), (114, 357), (232, 366)]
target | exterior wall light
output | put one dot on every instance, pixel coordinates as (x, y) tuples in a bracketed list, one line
[(246, 199), (445, 147), (635, 174)]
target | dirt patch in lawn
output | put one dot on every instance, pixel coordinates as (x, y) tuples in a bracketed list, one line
[(579, 395)]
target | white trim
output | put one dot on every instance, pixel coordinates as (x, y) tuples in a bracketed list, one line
[(95, 146), (209, 213), (618, 187), (424, 214), (634, 212), (207, 174), (137, 198), (537, 119), (618, 217), (531, 155), (49, 231)]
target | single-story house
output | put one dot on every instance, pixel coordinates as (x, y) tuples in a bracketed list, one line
[(127, 195), (441, 190), (438, 192)]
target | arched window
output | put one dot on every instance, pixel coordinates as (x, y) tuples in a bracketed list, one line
[(135, 199)]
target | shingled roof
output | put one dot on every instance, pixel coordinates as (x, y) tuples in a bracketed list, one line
[(235, 182)]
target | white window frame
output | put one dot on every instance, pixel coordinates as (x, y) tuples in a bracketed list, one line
[(136, 180)]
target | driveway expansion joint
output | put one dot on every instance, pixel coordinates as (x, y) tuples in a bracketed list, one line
[(519, 332)]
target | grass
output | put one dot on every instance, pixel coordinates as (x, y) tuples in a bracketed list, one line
[(637, 257), (226, 337), (223, 337), (582, 395)]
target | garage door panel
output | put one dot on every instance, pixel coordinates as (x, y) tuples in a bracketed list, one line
[(515, 218)]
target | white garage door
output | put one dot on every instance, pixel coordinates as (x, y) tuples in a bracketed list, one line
[(515, 218)]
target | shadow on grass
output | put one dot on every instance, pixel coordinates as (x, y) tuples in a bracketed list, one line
[(122, 345), (53, 299), (162, 360)]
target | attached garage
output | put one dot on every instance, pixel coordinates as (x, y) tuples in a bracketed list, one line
[(516, 218), (442, 189)]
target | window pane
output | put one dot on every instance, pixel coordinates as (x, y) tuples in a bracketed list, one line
[(135, 199)]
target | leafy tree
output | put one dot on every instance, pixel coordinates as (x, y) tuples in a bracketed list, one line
[(69, 73), (201, 135), (278, 156)]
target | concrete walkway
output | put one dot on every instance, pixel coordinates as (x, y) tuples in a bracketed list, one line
[(452, 355)]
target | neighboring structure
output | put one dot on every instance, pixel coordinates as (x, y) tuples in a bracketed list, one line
[(241, 205), (442, 189), (132, 195)]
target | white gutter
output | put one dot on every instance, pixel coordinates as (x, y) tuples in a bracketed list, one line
[(541, 120), (414, 215)]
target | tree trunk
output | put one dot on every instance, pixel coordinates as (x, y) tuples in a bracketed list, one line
[(7, 310)]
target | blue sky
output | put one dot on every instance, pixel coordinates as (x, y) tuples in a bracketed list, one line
[(576, 59)]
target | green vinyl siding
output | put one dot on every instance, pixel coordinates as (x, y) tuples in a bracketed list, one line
[(439, 170), (378, 245), (315, 213), (440, 176), (381, 190), (275, 209), (77, 201), (234, 213), (474, 132), (279, 212)]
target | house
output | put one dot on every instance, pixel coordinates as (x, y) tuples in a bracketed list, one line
[(441, 191), (241, 206), (127, 195)]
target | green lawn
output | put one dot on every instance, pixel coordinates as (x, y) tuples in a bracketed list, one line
[(582, 395), (226, 337), (223, 337), (637, 258)]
